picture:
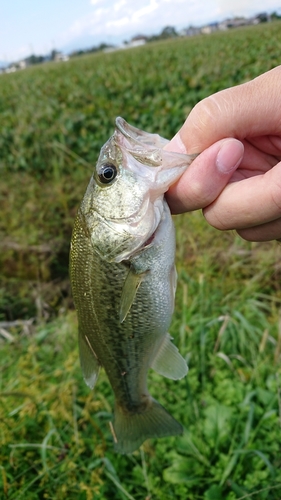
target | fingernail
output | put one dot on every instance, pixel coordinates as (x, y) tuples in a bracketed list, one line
[(229, 155), (176, 145)]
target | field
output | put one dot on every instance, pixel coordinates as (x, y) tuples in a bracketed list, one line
[(55, 441)]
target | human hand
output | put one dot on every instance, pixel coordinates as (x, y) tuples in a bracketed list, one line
[(236, 191)]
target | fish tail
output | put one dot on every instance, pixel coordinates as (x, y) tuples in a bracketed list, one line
[(130, 430)]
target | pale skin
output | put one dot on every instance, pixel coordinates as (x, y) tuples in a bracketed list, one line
[(236, 179)]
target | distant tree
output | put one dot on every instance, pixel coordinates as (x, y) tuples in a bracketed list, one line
[(97, 48), (34, 59), (168, 32), (263, 17), (275, 15), (77, 53), (103, 46)]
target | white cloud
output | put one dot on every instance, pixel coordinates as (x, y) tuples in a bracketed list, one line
[(138, 14), (125, 12), (118, 5), (101, 12), (246, 8), (123, 21)]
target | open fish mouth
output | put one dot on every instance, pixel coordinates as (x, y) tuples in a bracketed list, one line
[(139, 137), (150, 239)]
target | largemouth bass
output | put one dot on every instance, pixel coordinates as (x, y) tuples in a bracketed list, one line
[(124, 279)]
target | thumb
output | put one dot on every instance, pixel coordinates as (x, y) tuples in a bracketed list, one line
[(207, 175)]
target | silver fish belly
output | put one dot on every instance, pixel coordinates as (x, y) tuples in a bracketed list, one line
[(123, 280)]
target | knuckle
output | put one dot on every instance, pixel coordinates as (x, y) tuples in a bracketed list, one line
[(209, 120), (276, 196), (203, 112)]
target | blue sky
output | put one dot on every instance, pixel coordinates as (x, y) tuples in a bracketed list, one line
[(38, 26)]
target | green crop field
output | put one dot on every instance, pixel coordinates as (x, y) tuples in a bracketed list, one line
[(55, 441)]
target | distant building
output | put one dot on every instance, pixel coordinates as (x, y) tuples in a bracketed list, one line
[(59, 56), (136, 41), (209, 28), (238, 22), (11, 69), (191, 31), (140, 39), (22, 64)]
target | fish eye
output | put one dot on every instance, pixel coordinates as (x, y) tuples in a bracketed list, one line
[(107, 173)]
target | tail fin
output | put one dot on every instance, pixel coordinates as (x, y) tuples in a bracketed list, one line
[(131, 430)]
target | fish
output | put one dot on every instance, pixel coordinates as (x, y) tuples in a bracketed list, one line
[(123, 279)]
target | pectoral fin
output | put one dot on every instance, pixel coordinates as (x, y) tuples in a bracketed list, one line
[(168, 361), (129, 291), (88, 360)]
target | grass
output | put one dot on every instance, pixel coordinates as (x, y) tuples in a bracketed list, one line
[(55, 440)]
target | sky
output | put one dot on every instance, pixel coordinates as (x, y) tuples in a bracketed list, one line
[(39, 26)]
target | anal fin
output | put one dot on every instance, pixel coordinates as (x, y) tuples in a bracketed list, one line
[(168, 361), (88, 360)]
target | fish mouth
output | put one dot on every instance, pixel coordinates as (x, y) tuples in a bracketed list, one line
[(137, 137), (150, 239), (123, 240)]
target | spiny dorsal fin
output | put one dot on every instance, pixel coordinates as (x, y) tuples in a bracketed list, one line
[(168, 361), (130, 288)]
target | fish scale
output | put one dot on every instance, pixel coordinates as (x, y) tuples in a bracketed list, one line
[(123, 280)]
